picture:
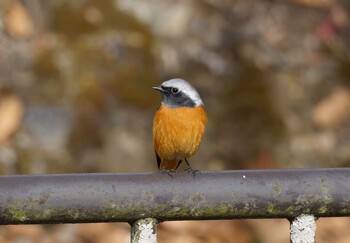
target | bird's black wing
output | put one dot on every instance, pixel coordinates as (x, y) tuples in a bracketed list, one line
[(158, 160)]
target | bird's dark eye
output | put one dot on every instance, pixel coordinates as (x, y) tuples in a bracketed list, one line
[(174, 90)]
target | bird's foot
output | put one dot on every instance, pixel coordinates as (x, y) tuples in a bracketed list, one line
[(168, 172), (190, 170)]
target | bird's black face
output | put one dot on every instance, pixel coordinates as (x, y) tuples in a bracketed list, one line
[(175, 98)]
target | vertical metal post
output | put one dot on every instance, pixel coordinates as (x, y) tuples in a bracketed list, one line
[(144, 231), (303, 229)]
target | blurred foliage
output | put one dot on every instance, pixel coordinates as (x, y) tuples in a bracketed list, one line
[(76, 78)]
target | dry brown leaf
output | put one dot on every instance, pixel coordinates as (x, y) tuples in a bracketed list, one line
[(17, 21), (33, 232), (230, 231), (335, 230), (333, 109), (11, 112)]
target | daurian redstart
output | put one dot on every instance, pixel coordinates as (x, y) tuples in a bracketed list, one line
[(178, 125)]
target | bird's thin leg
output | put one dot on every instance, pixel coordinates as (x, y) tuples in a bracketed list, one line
[(178, 164), (190, 170)]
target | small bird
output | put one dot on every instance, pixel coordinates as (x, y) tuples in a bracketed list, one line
[(178, 125)]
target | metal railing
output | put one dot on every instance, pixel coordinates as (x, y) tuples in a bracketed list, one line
[(144, 199)]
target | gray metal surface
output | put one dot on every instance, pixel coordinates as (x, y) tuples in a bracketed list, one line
[(74, 198)]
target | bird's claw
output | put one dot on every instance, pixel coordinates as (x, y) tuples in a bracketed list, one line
[(190, 170), (168, 172)]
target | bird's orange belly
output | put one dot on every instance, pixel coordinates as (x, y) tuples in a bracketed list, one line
[(178, 132)]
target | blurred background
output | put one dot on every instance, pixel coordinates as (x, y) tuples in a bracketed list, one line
[(76, 97)]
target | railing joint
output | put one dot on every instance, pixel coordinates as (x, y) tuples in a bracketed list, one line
[(303, 229), (144, 231)]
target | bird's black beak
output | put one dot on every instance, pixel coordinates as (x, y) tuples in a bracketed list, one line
[(159, 88)]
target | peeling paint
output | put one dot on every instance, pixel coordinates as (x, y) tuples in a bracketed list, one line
[(144, 231), (303, 229)]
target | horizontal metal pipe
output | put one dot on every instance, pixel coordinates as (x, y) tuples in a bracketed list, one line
[(73, 198)]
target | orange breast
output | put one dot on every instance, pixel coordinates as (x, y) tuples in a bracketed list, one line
[(178, 132)]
